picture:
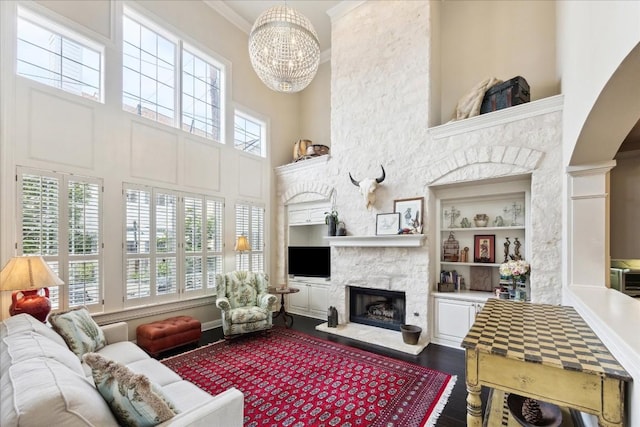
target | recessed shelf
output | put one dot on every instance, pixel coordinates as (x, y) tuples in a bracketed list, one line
[(393, 240), (473, 264)]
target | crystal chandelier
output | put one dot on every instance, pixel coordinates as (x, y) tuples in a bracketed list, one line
[(284, 49)]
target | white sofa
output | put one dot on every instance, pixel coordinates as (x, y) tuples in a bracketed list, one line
[(42, 382)]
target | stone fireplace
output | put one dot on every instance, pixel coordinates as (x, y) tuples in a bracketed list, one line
[(383, 283), (417, 157), (377, 307)]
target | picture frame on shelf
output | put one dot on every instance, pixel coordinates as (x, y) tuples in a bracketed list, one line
[(387, 223), (410, 211), (480, 278), (484, 248)]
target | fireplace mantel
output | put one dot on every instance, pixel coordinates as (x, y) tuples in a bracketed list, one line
[(393, 240)]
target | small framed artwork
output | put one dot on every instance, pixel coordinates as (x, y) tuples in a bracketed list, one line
[(388, 223), (484, 248), (410, 211), (480, 278)]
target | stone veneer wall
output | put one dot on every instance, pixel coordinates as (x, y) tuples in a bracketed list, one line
[(380, 97)]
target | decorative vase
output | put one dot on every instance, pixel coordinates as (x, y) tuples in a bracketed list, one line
[(332, 317), (332, 229), (31, 302), (342, 229), (521, 288), (410, 334)]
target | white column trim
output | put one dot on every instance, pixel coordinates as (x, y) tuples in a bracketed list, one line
[(588, 220)]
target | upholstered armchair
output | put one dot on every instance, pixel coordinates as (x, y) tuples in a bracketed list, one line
[(245, 303)]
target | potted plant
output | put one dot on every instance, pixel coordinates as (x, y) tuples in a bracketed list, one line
[(331, 219)]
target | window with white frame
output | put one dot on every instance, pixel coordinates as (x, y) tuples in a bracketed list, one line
[(155, 64), (249, 134), (148, 71), (55, 56), (60, 219), (250, 223), (174, 243), (201, 93)]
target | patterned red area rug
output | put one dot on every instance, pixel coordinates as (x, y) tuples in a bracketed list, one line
[(292, 379)]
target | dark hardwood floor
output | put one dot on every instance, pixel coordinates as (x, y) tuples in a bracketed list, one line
[(434, 356)]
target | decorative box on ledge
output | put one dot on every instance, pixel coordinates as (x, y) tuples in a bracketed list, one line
[(394, 240), (446, 287)]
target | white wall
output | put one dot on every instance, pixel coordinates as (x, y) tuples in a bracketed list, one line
[(48, 129), (315, 108), (625, 201), (594, 38), (502, 39)]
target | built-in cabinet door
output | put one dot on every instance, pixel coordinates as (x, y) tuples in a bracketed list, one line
[(452, 320), (299, 302), (299, 217), (318, 300), (311, 301), (317, 214), (308, 213)]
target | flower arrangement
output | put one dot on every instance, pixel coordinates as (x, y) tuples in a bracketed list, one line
[(515, 269)]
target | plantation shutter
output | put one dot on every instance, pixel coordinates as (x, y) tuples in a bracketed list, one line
[(215, 241), (83, 284), (166, 243), (250, 222), (39, 197), (137, 237), (57, 208), (193, 247), (257, 238), (242, 228)]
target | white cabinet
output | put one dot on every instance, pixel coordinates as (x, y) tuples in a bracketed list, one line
[(454, 314), (506, 205), (298, 303), (313, 298), (308, 213)]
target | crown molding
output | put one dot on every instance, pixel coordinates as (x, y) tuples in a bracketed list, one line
[(229, 14), (343, 8)]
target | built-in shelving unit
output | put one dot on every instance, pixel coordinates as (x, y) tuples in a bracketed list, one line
[(454, 312), (456, 208), (394, 240)]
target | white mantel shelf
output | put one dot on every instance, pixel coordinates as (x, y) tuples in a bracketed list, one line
[(393, 240)]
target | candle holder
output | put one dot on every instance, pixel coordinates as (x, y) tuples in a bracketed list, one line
[(515, 210), (452, 214)]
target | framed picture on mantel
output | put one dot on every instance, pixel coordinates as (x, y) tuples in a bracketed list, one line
[(484, 248), (387, 223), (410, 211)]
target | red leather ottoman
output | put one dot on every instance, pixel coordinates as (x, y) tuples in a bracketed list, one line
[(166, 334)]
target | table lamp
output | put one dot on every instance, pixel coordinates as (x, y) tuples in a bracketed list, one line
[(242, 244), (26, 275)]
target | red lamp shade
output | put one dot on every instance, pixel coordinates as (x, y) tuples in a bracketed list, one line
[(26, 276)]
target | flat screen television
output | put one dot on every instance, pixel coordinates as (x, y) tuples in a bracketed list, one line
[(310, 261)]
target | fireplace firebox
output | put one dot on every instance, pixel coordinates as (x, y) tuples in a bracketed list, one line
[(377, 307)]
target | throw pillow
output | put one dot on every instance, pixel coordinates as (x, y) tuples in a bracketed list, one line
[(133, 399), (81, 333)]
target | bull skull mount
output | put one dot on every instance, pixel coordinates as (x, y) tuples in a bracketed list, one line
[(368, 187)]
